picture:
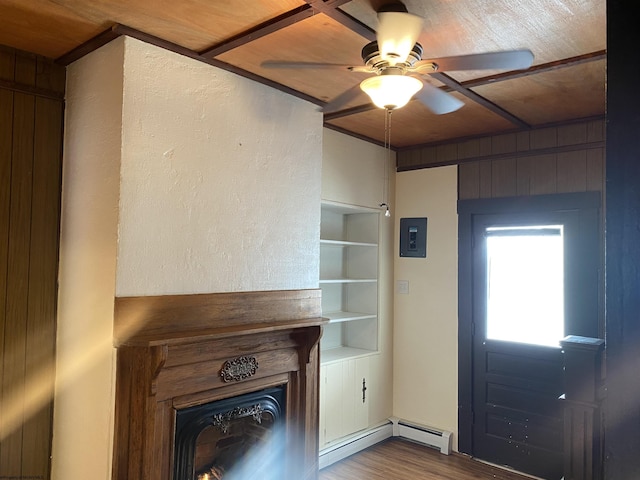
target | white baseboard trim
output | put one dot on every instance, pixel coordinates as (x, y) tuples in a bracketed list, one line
[(395, 427), (354, 443)]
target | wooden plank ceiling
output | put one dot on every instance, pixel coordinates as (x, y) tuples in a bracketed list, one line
[(565, 83)]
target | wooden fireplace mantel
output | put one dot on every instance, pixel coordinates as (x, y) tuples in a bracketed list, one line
[(172, 354)]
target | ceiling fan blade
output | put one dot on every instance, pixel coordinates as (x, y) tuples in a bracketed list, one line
[(436, 100), (397, 34), (342, 99), (312, 65), (504, 60)]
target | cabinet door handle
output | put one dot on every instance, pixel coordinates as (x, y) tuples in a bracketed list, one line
[(364, 390)]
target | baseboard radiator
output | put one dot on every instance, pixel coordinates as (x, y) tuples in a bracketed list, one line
[(440, 439), (395, 427)]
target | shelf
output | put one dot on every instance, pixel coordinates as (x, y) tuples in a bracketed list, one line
[(336, 317), (345, 243), (342, 353), (347, 209), (348, 280), (349, 259)]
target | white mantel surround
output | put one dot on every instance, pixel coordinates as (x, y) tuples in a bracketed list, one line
[(178, 178)]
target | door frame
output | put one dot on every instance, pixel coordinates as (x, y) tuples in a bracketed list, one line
[(467, 209)]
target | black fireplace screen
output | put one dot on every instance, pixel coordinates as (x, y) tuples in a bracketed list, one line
[(236, 438)]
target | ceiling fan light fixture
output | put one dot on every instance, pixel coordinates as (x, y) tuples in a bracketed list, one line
[(391, 91)]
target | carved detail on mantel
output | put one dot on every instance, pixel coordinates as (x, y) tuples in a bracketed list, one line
[(158, 356), (310, 337), (238, 369)]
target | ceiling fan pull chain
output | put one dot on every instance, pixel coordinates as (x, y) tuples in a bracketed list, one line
[(387, 161)]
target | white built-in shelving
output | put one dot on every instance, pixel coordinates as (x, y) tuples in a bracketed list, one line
[(349, 281)]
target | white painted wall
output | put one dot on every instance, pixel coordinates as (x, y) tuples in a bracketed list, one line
[(425, 369), (178, 178), (353, 172), (220, 181)]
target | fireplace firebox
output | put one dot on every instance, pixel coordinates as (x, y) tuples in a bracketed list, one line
[(206, 382), (234, 438)]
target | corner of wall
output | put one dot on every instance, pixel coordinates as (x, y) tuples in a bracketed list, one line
[(84, 391)]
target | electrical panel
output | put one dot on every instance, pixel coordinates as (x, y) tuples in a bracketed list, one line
[(413, 237)]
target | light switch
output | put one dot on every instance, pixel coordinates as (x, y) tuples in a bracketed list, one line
[(402, 287)]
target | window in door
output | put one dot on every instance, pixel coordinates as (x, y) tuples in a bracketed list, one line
[(525, 284)]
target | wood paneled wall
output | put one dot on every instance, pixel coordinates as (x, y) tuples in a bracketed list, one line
[(559, 159), (31, 122)]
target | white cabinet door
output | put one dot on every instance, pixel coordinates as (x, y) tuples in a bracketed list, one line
[(342, 410), (349, 396), (333, 396), (362, 379)]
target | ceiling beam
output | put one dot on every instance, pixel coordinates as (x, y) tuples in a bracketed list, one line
[(349, 111), (358, 135), (273, 25), (329, 8), (89, 46), (542, 68), (479, 99), (311, 8)]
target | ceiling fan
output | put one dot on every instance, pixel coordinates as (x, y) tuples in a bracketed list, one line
[(395, 59)]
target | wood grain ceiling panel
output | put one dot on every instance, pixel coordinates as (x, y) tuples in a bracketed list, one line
[(557, 31), (43, 27), (414, 124), (316, 39), (555, 96), (551, 29), (194, 24)]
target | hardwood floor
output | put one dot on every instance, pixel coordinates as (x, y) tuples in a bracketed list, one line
[(398, 459)]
